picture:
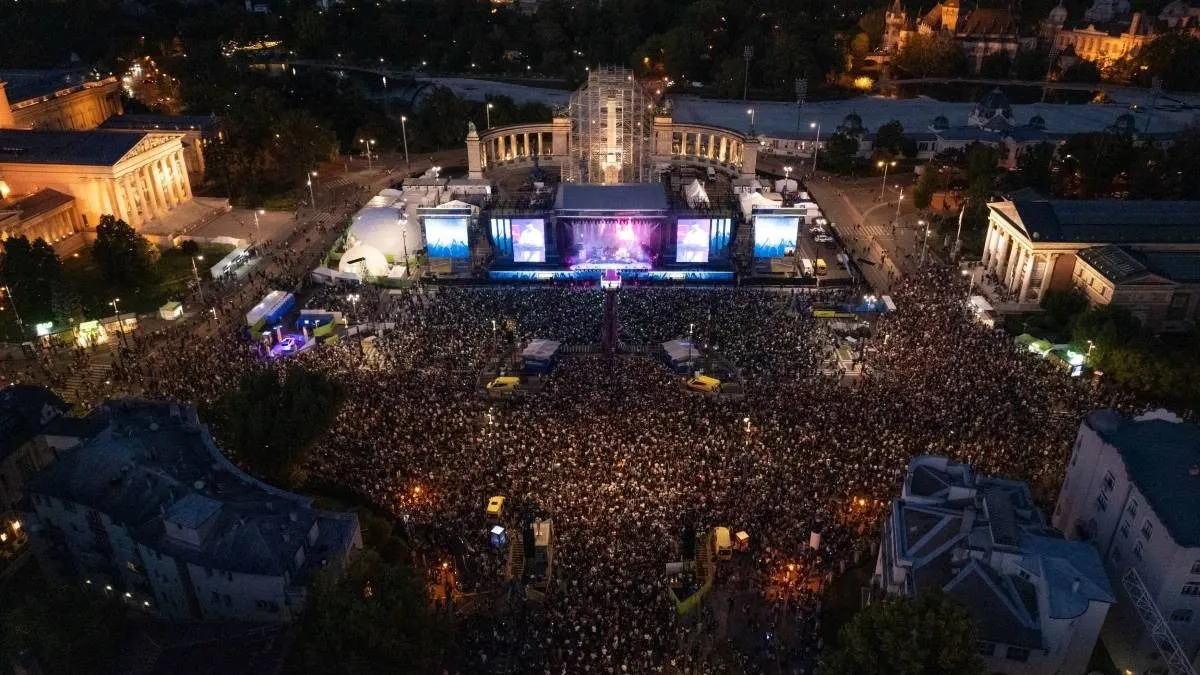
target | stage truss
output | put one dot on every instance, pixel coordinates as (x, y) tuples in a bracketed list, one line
[(611, 125)]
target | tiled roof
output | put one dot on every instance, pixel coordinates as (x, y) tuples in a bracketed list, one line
[(40, 202), (26, 84), (83, 148), (988, 22), (1159, 455), (1105, 221), (1114, 262)]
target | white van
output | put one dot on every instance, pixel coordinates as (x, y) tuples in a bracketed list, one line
[(806, 267)]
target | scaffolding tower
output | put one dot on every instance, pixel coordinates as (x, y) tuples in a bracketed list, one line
[(611, 126)]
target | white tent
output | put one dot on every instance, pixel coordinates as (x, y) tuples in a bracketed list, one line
[(362, 258), (753, 199), (695, 194)]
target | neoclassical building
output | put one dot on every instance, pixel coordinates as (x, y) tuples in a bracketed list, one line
[(602, 137), (1144, 255), (68, 156), (134, 176), (979, 32)]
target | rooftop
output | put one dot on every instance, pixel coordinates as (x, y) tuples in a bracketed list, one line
[(28, 84), (83, 148), (201, 123), (949, 523), (155, 468), (1160, 456), (40, 202), (24, 411), (622, 197), (1104, 221)]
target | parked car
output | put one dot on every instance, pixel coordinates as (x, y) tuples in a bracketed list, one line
[(823, 239), (816, 230)]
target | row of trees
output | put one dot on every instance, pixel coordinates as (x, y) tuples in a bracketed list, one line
[(41, 289)]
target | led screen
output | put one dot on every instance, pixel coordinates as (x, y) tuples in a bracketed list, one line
[(529, 240), (691, 240), (775, 236), (446, 237)]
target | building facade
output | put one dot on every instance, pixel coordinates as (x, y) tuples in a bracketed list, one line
[(150, 510), (57, 100), (1038, 599), (980, 32), (1033, 245), (1132, 490)]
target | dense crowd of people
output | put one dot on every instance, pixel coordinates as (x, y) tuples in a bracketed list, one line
[(623, 459)]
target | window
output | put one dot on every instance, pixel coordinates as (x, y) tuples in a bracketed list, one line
[(1102, 501), (1191, 588), (1181, 616), (1137, 550), (1147, 530), (1196, 567), (1109, 481), (1016, 654), (1132, 509), (1125, 529)]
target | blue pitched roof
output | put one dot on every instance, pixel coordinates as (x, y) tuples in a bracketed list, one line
[(82, 148), (24, 411), (1159, 455), (1110, 221)]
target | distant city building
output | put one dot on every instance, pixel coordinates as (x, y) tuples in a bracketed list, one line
[(1108, 31), (1132, 490), (1144, 255), (979, 32), (149, 509), (1039, 600)]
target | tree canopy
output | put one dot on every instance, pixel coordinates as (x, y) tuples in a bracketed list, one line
[(32, 271), (66, 629), (931, 56), (931, 635), (373, 619), (271, 421), (124, 257)]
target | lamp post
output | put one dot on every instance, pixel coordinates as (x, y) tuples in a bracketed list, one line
[(117, 318), (257, 228), (896, 220), (312, 197), (925, 241), (13, 301), (883, 183), (488, 111), (367, 142), (404, 134), (816, 142), (750, 112), (958, 233), (196, 274)]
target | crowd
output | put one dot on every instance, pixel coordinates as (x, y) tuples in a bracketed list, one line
[(622, 459)]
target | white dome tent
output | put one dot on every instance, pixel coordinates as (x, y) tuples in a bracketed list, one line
[(364, 260), (383, 224)]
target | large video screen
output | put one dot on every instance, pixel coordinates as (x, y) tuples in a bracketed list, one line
[(529, 240), (446, 236), (691, 240), (775, 236)]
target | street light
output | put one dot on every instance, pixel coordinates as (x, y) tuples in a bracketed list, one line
[(368, 142), (816, 143), (312, 198), (925, 241), (488, 111), (257, 229), (196, 273), (750, 112), (404, 133), (883, 183), (13, 301), (896, 220)]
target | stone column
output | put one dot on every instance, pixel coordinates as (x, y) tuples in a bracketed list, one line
[(724, 149), (137, 202), (988, 242), (1014, 253), (184, 180), (1047, 273), (1030, 261), (166, 179), (161, 181), (114, 191), (474, 163), (199, 146), (1003, 248), (528, 148), (152, 197)]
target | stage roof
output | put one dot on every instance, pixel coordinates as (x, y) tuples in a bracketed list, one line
[(620, 197)]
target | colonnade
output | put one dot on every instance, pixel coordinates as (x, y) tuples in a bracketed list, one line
[(713, 146), (1014, 263), (148, 191), (516, 146)]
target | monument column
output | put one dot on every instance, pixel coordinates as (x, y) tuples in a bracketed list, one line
[(118, 200), (1030, 261), (988, 242), (176, 178), (170, 187), (137, 202), (199, 148), (152, 198), (184, 181), (1001, 253), (474, 163)]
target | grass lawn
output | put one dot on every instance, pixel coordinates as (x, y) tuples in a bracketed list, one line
[(82, 275)]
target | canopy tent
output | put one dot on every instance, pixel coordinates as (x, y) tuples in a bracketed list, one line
[(270, 309), (756, 199), (695, 194), (540, 355), (681, 354)]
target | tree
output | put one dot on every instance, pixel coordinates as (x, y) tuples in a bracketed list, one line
[(926, 185), (890, 139), (271, 421), (1082, 71), (1092, 163), (124, 257), (931, 635), (997, 65), (1173, 58), (66, 629), (32, 271), (1063, 306), (839, 153), (372, 619), (1033, 166), (931, 56)]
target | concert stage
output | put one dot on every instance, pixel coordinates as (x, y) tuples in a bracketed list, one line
[(594, 228)]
